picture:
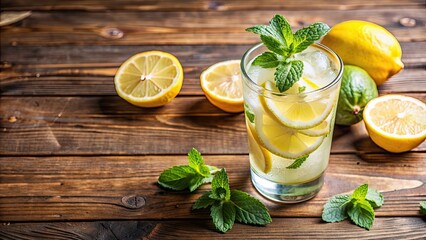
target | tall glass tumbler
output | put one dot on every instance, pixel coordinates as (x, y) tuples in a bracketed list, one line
[(290, 133)]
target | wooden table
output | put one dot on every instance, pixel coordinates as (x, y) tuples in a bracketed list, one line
[(78, 162)]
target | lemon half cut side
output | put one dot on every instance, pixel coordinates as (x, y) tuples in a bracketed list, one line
[(149, 79)]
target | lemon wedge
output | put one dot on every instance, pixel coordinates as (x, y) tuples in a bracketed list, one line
[(222, 85), (396, 123), (300, 113), (284, 141), (149, 79)]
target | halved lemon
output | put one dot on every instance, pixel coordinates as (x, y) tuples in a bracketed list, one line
[(396, 123), (261, 157), (300, 114), (284, 141), (223, 87), (149, 79)]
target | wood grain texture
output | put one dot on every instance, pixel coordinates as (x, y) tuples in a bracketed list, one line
[(90, 188), (109, 125), (201, 5), (280, 228), (89, 70), (153, 28)]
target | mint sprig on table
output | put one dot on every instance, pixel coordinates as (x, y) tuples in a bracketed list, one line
[(189, 176), (279, 38), (359, 207), (423, 207), (226, 205)]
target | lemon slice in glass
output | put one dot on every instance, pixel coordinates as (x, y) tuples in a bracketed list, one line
[(149, 79), (301, 113), (396, 123), (261, 158), (222, 85), (284, 141)]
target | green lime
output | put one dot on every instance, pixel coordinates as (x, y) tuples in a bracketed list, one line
[(357, 89)]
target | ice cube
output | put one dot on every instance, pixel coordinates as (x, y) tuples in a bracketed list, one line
[(316, 63), (260, 75)]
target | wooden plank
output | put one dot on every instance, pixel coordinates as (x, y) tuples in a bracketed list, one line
[(109, 125), (202, 5), (280, 228), (64, 70), (91, 188), (153, 28)]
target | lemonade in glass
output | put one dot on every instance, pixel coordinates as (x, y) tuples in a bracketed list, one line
[(290, 132)]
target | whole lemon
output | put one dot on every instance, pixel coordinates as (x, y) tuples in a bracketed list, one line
[(366, 45)]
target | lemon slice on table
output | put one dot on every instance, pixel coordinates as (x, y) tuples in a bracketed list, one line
[(261, 158), (149, 79), (300, 114), (396, 123), (222, 85), (284, 141)]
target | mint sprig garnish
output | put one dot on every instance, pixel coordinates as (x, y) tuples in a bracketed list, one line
[(228, 206), (359, 207), (189, 176), (279, 38)]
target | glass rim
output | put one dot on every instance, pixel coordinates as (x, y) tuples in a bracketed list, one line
[(277, 93)]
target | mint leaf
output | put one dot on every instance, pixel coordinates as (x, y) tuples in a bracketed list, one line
[(204, 201), (223, 215), (220, 186), (282, 29), (335, 210), (302, 89), (362, 214), (178, 177), (304, 37), (423, 207), (250, 115), (375, 198), (287, 74), (249, 210), (267, 60), (197, 163), (360, 192), (271, 38), (298, 162)]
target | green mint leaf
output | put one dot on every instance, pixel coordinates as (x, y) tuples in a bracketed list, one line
[(223, 215), (267, 60), (362, 214), (196, 161), (249, 210), (274, 45), (204, 201), (302, 89), (287, 74), (304, 37), (298, 162), (335, 210), (179, 178), (195, 182), (220, 186), (282, 29), (423, 207), (360, 192), (375, 198), (249, 114)]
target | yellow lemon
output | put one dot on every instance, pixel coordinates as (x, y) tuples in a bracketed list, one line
[(259, 156), (149, 79), (396, 123), (222, 85), (366, 45)]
